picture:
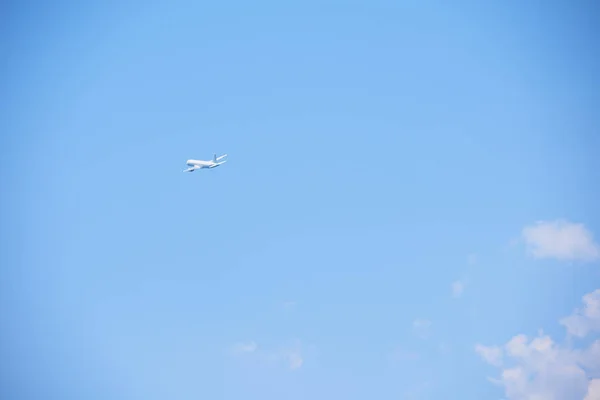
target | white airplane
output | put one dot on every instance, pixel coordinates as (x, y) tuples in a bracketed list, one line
[(201, 164)]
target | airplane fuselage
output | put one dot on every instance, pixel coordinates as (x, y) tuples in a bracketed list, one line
[(201, 164)]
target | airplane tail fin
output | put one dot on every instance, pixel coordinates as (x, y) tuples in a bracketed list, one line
[(215, 157)]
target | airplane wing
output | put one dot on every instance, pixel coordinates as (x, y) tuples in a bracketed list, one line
[(191, 169)]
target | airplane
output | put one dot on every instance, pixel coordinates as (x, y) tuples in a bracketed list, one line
[(201, 164)]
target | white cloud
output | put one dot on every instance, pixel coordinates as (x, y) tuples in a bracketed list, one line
[(593, 390), (540, 368), (458, 287), (422, 327), (587, 320), (561, 240)]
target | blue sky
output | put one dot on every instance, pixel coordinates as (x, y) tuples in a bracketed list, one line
[(410, 187)]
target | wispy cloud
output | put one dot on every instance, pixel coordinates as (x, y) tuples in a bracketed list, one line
[(444, 348), (289, 305), (295, 360), (458, 287), (586, 320), (492, 354), (399, 354), (472, 259), (418, 391), (560, 239), (292, 355), (541, 368), (244, 347), (422, 328)]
